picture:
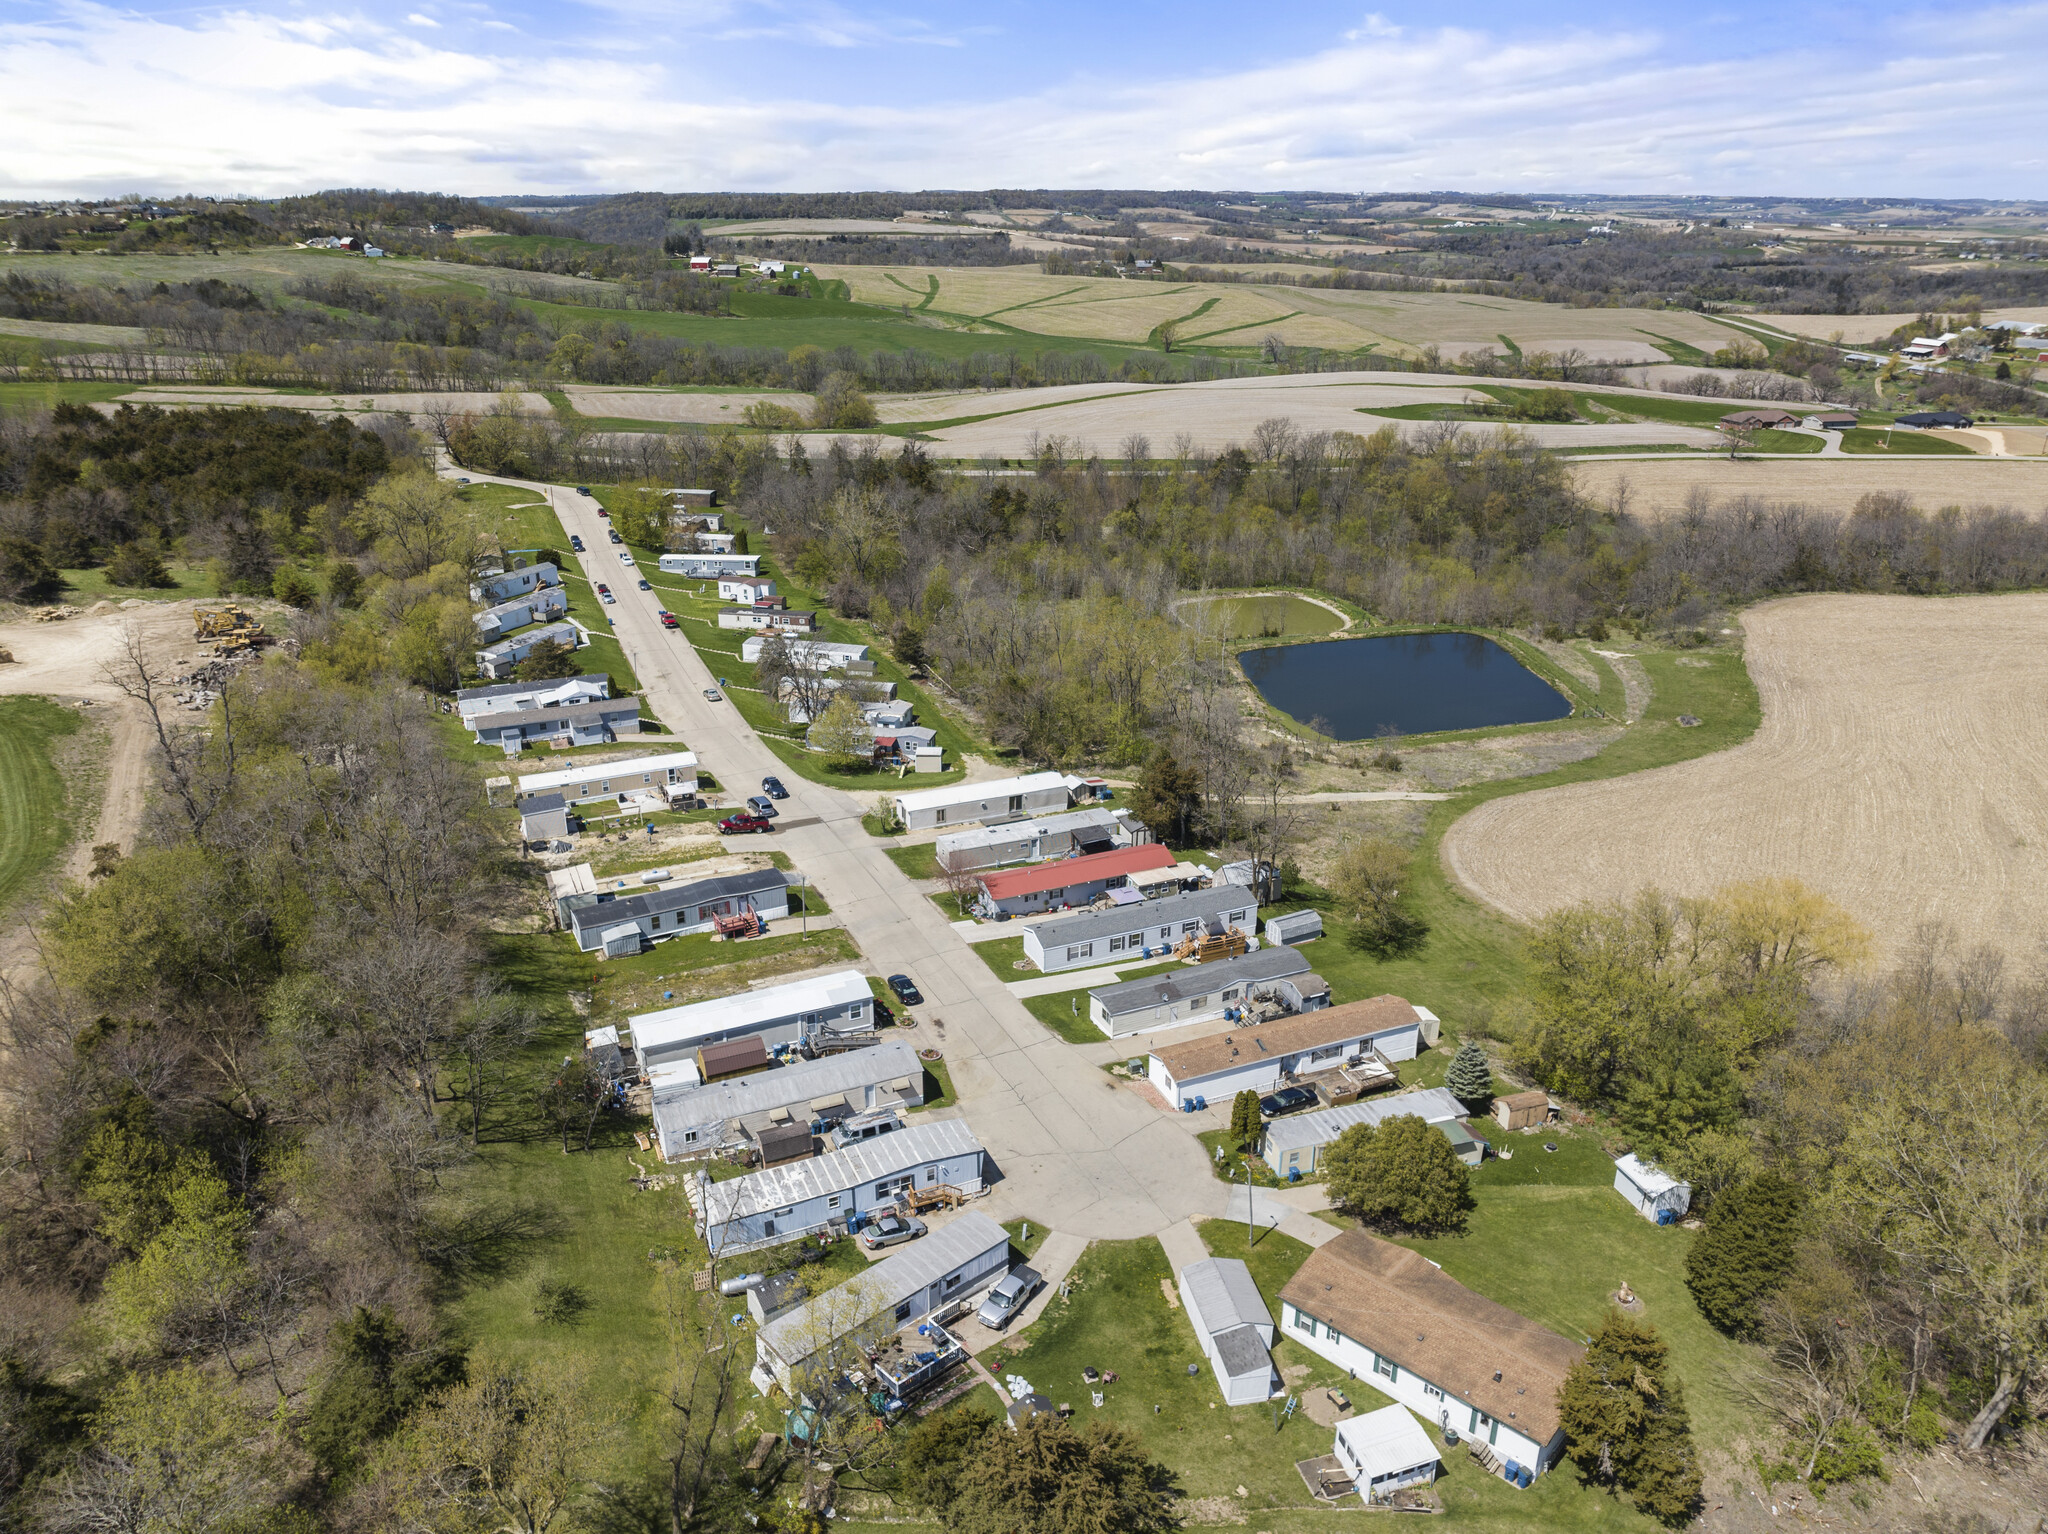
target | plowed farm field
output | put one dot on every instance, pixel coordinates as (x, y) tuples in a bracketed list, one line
[(1901, 768)]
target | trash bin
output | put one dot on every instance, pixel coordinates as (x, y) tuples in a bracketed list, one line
[(1525, 1478), (1511, 1472)]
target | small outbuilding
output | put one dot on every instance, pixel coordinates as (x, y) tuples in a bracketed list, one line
[(1386, 1450), (1521, 1110), (543, 817), (1295, 927), (1234, 1327), (1655, 1193)]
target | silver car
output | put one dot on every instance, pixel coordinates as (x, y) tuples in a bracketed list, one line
[(1008, 1299), (890, 1229)]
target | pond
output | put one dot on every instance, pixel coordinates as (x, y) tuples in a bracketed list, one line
[(1417, 683), (1271, 616)]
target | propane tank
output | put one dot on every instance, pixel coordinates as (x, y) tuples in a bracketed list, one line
[(742, 1284)]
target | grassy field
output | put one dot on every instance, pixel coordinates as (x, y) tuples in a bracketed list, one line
[(1259, 617), (1875, 439), (34, 822), (89, 586), (518, 520), (41, 396)]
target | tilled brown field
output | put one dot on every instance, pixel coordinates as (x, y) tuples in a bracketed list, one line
[(1901, 768), (1658, 489)]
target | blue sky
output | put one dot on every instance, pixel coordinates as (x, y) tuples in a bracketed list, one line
[(274, 96)]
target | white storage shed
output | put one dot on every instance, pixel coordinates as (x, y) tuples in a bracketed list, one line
[(1234, 1327), (1656, 1194)]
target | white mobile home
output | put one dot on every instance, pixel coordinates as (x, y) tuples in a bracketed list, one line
[(714, 566), (676, 910), (1035, 840), (1296, 1143), (1142, 930), (536, 606), (617, 779), (1267, 1055), (827, 654), (503, 585), (983, 803), (769, 620), (953, 1263), (1455, 1358), (745, 588), (1206, 992), (501, 659), (1234, 1327), (828, 1008), (690, 1121), (799, 1198), (473, 703), (574, 724), (1654, 1192)]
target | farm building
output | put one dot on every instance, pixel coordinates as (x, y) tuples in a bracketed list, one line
[(825, 1010), (475, 703), (498, 661), (1386, 1450), (1521, 1110), (1264, 1056), (1455, 1358), (785, 620), (616, 780), (930, 1275), (715, 566), (826, 654), (503, 585), (1065, 882), (964, 804), (693, 1120), (784, 1202), (1032, 841), (674, 910), (543, 818), (536, 606), (1204, 992), (749, 589), (1103, 937), (1296, 1143), (1294, 927), (571, 724), (1655, 1193), (1234, 1327)]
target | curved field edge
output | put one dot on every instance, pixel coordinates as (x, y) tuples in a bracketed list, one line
[(34, 816), (1472, 958)]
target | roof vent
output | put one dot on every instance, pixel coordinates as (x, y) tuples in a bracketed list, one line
[(1326, 1287), (1520, 1390), (1496, 1376), (1418, 1336)]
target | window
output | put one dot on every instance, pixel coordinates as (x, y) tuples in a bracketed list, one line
[(832, 1202), (1305, 1322), (1230, 995), (655, 924), (858, 1010), (939, 818), (606, 787), (690, 1137), (1431, 1391), (1116, 945), (1016, 804), (767, 1227), (903, 1311), (1384, 1366), (1186, 927), (1165, 934), (954, 1280)]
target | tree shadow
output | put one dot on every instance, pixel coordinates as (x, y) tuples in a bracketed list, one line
[(487, 1240), (1395, 937)]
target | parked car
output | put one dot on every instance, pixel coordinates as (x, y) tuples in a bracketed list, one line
[(906, 990), (763, 806), (583, 489), (669, 620), (646, 584), (1287, 1100), (711, 694), (575, 543), (609, 600), (613, 534), (625, 558), (1008, 1298), (889, 1230), (773, 788), (603, 589), (740, 825), (461, 481)]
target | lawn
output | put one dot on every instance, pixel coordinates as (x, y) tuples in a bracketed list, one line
[(938, 1087), (1876, 439), (187, 580), (683, 969), (1026, 1236), (518, 520), (603, 652), (1066, 1012), (41, 396), (1001, 956), (1261, 617), (918, 861), (34, 824)]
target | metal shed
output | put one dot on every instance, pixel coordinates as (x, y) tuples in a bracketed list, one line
[(1294, 927), (1655, 1193), (1235, 1329)]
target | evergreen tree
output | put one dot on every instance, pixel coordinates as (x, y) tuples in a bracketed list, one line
[(1746, 1252), (1470, 1078), (1680, 1095), (1245, 1124), (377, 1377), (1625, 1420), (1400, 1172), (1168, 798), (545, 662)]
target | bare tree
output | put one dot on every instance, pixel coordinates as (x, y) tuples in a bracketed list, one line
[(199, 779)]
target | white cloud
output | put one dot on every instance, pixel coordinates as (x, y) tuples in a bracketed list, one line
[(1374, 25), (94, 99), (416, 19)]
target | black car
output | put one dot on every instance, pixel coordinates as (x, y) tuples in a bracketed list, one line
[(906, 991), (1287, 1100), (773, 788)]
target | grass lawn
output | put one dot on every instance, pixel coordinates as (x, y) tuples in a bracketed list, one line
[(694, 968), (1001, 956), (917, 860), (1875, 439), (88, 586), (1026, 1236), (603, 652), (34, 825), (517, 519), (938, 1087), (41, 396), (1066, 1015)]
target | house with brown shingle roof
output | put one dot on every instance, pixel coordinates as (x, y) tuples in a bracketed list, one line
[(1262, 1057), (1399, 1322)]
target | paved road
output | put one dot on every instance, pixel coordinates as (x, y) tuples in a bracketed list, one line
[(1073, 1151)]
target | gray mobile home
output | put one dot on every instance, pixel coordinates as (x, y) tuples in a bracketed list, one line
[(1206, 991), (1109, 937)]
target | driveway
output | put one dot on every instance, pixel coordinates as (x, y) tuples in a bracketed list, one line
[(1073, 1151)]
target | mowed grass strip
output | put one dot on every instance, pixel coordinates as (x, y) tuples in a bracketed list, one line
[(34, 824)]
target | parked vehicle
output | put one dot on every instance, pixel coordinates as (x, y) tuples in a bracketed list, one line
[(669, 620), (575, 543), (583, 489), (625, 558), (609, 600), (763, 806), (890, 1230), (711, 694), (1287, 1100), (906, 990), (1008, 1299), (613, 532), (773, 788), (740, 825), (646, 584), (603, 589)]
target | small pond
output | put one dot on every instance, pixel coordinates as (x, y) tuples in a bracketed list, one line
[(1418, 683)]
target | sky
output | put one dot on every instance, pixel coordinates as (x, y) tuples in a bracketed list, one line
[(480, 97)]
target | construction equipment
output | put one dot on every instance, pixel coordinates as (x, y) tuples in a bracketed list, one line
[(227, 626)]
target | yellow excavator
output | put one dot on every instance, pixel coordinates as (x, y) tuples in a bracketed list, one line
[(228, 626)]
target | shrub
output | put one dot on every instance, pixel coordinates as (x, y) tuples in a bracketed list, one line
[(1402, 1173), (291, 587), (138, 564), (1746, 1252), (1625, 1422)]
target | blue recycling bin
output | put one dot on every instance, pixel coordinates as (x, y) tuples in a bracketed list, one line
[(1511, 1473), (1523, 1480), (1201, 1105), (1294, 1174)]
